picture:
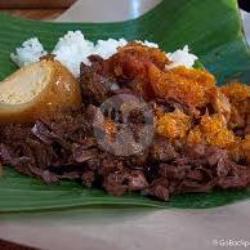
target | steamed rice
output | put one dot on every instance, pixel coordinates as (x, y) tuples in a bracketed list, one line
[(73, 48), (106, 48), (147, 43), (181, 57), (30, 51)]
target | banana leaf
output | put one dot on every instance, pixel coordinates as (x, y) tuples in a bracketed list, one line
[(212, 29)]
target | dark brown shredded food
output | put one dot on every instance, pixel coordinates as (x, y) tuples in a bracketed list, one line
[(199, 143)]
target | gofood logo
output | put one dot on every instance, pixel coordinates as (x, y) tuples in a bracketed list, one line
[(124, 125)]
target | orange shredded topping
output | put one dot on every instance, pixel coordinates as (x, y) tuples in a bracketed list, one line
[(173, 125), (190, 86)]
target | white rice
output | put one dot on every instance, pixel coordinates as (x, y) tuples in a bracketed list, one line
[(30, 52), (107, 48), (147, 43), (73, 48), (181, 57)]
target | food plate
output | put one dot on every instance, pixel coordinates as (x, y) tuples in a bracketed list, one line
[(171, 25)]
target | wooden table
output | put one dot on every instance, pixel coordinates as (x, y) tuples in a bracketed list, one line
[(7, 245), (37, 14), (36, 9)]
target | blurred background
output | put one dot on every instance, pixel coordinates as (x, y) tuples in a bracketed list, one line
[(85, 10), (51, 9), (35, 9), (245, 5)]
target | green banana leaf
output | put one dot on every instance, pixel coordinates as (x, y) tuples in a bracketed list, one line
[(213, 30)]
